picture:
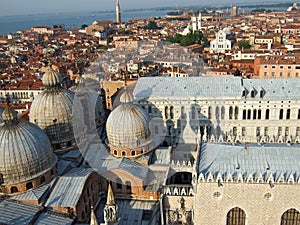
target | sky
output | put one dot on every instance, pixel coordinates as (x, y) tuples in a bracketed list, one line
[(21, 7)]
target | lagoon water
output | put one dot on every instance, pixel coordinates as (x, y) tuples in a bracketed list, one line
[(10, 24), (14, 23)]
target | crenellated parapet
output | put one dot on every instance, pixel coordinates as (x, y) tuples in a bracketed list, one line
[(179, 190)]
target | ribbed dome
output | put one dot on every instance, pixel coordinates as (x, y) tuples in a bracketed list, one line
[(9, 114), (55, 109), (126, 97), (51, 78), (25, 151), (128, 127)]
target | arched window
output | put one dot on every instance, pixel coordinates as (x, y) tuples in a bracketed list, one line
[(249, 114), (223, 113), (288, 114), (236, 113), (290, 217), (119, 183), (133, 153), (254, 114), (13, 189), (259, 114), (150, 109), (42, 180), (166, 112), (128, 185), (261, 95), (217, 113), (230, 112), (209, 113), (281, 114), (123, 153), (29, 185), (244, 114), (244, 93), (267, 116), (236, 216), (115, 152), (172, 112)]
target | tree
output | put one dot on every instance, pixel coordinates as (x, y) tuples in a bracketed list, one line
[(151, 26), (189, 39), (244, 45)]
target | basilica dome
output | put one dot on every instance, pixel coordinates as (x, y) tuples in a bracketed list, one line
[(57, 111), (128, 129), (25, 152)]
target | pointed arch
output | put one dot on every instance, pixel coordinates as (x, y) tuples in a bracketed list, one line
[(236, 216), (290, 217)]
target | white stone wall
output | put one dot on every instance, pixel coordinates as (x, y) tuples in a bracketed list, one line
[(243, 130), (262, 204)]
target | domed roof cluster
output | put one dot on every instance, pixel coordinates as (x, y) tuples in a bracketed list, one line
[(56, 109), (128, 126), (25, 150)]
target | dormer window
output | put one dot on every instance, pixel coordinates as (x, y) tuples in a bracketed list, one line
[(244, 93), (261, 94), (252, 94)]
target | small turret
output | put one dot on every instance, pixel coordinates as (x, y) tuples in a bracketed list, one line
[(111, 208)]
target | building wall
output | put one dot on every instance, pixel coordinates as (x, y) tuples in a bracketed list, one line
[(243, 126), (279, 70), (261, 203), (220, 44), (36, 182), (110, 89), (89, 197), (136, 190)]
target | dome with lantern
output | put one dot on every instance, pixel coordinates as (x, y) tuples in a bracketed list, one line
[(58, 112), (27, 160), (128, 129)]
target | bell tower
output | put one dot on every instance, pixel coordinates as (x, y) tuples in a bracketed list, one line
[(118, 12)]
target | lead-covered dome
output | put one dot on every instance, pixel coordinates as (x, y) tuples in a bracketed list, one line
[(128, 128), (25, 151), (58, 112)]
